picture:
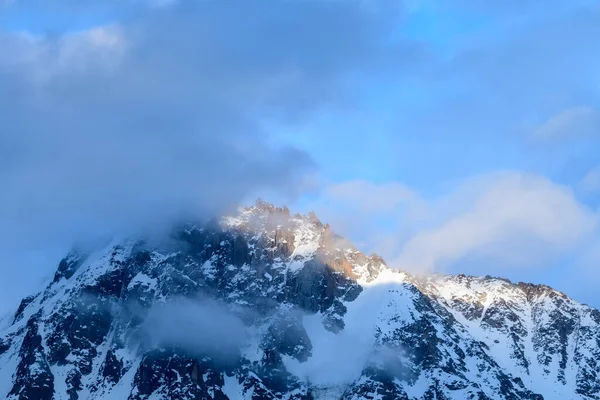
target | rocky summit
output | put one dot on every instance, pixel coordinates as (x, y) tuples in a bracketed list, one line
[(263, 304)]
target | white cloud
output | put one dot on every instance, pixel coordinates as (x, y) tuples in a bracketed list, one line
[(501, 219), (590, 183), (163, 112), (44, 59), (571, 123), (515, 218), (201, 327), (375, 216), (365, 196)]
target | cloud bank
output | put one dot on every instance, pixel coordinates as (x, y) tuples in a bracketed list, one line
[(166, 113), (499, 223), (513, 219)]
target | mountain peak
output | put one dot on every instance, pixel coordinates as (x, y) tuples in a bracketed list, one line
[(263, 304)]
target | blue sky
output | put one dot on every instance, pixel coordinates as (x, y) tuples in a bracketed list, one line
[(449, 136), (420, 124)]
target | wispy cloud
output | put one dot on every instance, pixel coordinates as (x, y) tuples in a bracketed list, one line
[(572, 123), (514, 220), (203, 328), (590, 183), (499, 223)]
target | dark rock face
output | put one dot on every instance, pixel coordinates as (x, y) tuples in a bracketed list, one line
[(376, 383), (287, 335), (4, 345), (87, 337), (22, 306), (320, 288), (112, 368), (68, 266), (176, 376), (34, 379)]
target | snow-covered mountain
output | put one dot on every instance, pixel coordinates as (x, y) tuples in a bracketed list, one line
[(266, 305)]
